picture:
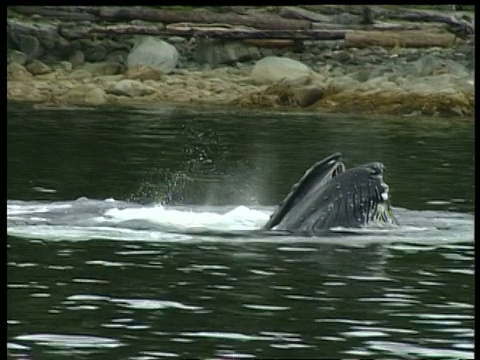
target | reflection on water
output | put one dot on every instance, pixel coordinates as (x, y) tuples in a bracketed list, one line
[(210, 297)]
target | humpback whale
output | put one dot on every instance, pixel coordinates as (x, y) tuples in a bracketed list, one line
[(330, 196)]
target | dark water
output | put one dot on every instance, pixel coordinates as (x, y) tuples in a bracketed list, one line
[(80, 290)]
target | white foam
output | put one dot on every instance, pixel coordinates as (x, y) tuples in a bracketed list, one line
[(86, 219), (240, 218)]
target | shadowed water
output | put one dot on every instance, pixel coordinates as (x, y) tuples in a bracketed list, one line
[(97, 268)]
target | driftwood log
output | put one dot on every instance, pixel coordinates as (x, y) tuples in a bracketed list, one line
[(219, 33), (202, 16), (362, 39), (460, 27), (291, 23), (69, 13)]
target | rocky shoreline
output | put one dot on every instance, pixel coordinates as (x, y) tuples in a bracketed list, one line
[(54, 61)]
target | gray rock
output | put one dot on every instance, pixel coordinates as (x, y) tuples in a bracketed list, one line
[(154, 52), (131, 88), (17, 57), (274, 69), (434, 65), (77, 59), (216, 52), (30, 46), (36, 67), (96, 53)]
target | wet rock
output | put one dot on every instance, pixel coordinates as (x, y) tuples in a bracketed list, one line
[(36, 67), (23, 91), (16, 72), (30, 46), (95, 97), (143, 73), (96, 53), (273, 69), (88, 94), (308, 95), (216, 52), (18, 57), (131, 88), (77, 58), (153, 52)]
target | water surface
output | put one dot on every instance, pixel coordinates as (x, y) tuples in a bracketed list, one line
[(156, 282)]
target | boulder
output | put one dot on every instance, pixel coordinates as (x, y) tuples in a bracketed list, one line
[(154, 52), (273, 69)]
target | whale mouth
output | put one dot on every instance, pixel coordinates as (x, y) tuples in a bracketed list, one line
[(329, 195)]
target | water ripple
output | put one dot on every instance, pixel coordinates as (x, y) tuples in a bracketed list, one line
[(413, 351), (71, 341)]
